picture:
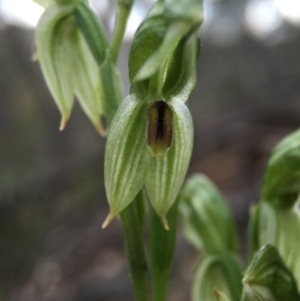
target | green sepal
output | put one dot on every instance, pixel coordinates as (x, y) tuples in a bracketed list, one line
[(281, 184), (165, 175), (160, 45), (130, 163), (161, 54), (125, 155), (95, 36), (87, 86), (268, 279), (67, 64), (54, 46), (181, 70), (208, 223), (93, 31), (221, 272)]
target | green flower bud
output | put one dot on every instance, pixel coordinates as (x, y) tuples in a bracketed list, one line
[(208, 223), (268, 279), (281, 228), (164, 51), (282, 176), (278, 221), (68, 65), (148, 145), (218, 272)]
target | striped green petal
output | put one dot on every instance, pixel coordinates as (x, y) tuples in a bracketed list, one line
[(126, 155), (165, 175)]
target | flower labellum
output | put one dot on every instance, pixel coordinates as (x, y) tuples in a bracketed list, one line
[(159, 128)]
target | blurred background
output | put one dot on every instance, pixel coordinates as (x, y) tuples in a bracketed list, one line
[(52, 199)]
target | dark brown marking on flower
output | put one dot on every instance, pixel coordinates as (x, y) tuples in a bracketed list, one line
[(159, 128)]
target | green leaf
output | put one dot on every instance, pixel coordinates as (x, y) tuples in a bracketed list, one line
[(208, 223), (221, 272), (268, 279), (165, 175)]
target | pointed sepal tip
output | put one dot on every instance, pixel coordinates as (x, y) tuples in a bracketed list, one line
[(63, 122), (165, 222), (100, 129), (108, 220)]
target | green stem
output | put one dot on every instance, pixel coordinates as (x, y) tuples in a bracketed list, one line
[(133, 218), (123, 11), (162, 246)]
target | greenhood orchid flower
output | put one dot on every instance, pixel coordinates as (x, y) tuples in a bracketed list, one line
[(68, 65), (148, 145), (151, 136)]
